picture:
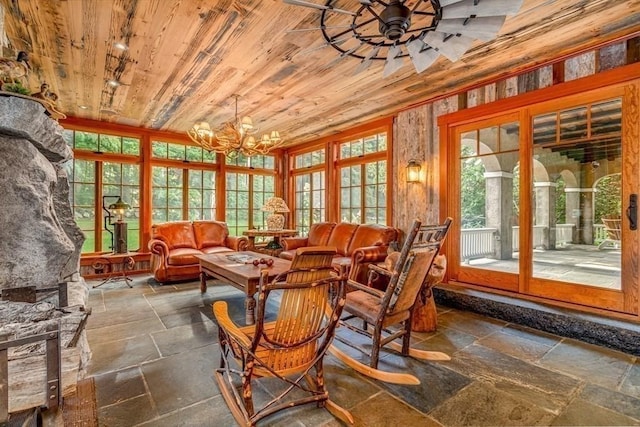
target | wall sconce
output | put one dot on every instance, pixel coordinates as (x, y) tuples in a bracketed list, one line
[(413, 171), (119, 233)]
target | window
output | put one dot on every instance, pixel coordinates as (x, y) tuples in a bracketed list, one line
[(186, 190), (309, 190), (245, 196), (96, 183), (363, 180)]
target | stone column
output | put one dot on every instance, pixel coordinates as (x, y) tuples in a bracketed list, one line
[(572, 210), (585, 226), (544, 214), (498, 210)]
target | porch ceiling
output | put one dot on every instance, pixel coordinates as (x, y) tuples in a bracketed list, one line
[(187, 58)]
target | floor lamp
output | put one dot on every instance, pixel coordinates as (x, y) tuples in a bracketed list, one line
[(119, 233)]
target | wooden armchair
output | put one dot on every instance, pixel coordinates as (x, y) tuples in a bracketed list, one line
[(387, 315), (311, 298)]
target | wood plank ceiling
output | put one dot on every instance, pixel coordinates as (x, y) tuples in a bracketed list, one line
[(187, 58)]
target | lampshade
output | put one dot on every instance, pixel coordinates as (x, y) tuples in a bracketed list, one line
[(413, 171), (275, 204), (118, 208)]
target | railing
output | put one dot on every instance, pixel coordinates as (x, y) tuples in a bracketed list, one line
[(477, 242), (599, 232), (539, 233), (564, 234)]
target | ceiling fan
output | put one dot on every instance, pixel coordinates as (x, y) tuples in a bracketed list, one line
[(389, 31)]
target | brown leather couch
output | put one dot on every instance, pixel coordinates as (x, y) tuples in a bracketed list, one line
[(174, 246), (358, 245)]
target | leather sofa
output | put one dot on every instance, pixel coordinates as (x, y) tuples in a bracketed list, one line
[(358, 245), (174, 246)]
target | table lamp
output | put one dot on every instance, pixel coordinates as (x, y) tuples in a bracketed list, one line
[(275, 205)]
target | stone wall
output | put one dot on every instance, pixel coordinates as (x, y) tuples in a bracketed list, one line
[(40, 246)]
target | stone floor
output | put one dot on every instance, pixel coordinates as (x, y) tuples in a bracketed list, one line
[(155, 349)]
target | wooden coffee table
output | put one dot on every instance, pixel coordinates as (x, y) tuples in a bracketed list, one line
[(237, 269)]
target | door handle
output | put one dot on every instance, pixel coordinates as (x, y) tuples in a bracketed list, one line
[(632, 212)]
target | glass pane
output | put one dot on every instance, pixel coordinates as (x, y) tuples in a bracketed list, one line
[(159, 150), (544, 128), (194, 154), (577, 200), (488, 213), (176, 152), (86, 141), (509, 136), (131, 146), (110, 144)]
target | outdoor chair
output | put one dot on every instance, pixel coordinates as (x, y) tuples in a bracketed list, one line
[(310, 297), (612, 226), (386, 316)]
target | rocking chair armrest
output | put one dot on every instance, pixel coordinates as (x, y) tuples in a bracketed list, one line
[(231, 329), (380, 270), (360, 287)]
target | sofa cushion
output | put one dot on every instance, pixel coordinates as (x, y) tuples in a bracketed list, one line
[(183, 256), (319, 233), (178, 234), (210, 233), (341, 237), (371, 235)]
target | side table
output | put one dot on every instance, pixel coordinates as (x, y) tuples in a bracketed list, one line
[(276, 234), (117, 265)]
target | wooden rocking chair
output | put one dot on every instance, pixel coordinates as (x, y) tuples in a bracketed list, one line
[(387, 315), (311, 296)]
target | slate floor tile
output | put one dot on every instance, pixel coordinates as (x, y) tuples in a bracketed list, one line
[(588, 362), (515, 345), (619, 402), (470, 323), (115, 387), (184, 338), (382, 410), (488, 365), (114, 355), (212, 411), (631, 383), (446, 340), (582, 413), (127, 413), (480, 404), (122, 331), (182, 379)]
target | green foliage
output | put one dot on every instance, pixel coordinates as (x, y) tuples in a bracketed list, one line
[(472, 192), (561, 202), (608, 197)]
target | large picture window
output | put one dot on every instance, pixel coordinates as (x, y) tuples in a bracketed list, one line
[(95, 182), (363, 180)]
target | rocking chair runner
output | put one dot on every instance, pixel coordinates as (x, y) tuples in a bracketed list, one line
[(311, 301), (394, 307)]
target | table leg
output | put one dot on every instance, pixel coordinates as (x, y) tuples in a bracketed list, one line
[(250, 305), (203, 282)]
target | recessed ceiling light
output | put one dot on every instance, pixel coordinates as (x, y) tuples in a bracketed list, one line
[(82, 107), (113, 82), (120, 45)]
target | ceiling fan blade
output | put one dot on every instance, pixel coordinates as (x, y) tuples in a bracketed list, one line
[(394, 61), (485, 28), (468, 8), (422, 58), (367, 61), (453, 47), (318, 6)]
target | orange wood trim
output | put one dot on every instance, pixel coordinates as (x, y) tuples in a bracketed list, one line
[(105, 157), (593, 82), (99, 223), (146, 181), (578, 294), (356, 132)]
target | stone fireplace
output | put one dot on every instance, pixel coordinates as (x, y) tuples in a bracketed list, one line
[(40, 244)]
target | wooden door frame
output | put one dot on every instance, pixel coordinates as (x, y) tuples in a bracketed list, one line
[(625, 301)]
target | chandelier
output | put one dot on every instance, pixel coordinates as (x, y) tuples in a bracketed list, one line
[(234, 137), (392, 30)]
